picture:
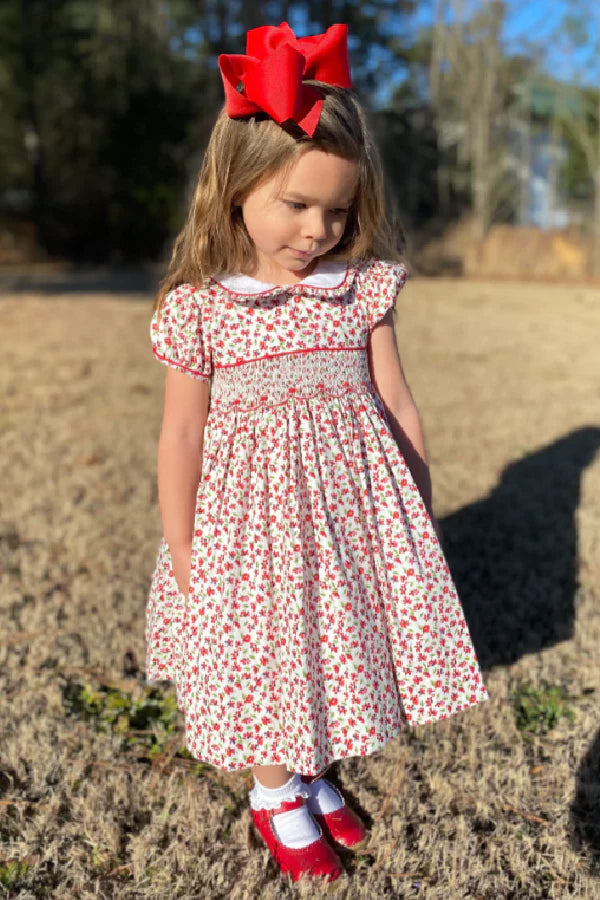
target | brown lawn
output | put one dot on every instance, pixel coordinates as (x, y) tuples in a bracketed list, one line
[(507, 377)]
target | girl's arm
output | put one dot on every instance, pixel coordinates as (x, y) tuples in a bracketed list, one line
[(402, 413), (180, 466)]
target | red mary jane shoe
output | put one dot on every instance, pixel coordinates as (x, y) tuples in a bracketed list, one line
[(317, 858), (342, 825)]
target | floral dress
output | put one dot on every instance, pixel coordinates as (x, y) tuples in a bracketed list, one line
[(321, 616)]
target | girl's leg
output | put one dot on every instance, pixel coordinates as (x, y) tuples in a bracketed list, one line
[(273, 785), (272, 776), (294, 838)]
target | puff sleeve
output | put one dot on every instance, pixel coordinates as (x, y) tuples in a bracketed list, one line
[(378, 287), (179, 333)]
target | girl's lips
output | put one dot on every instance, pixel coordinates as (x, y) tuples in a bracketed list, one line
[(301, 254)]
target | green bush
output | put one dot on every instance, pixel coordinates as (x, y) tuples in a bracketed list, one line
[(147, 720), (12, 873), (538, 709)]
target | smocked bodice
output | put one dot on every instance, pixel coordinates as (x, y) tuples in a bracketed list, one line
[(268, 344), (302, 375)]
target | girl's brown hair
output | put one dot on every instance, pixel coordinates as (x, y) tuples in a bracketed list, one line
[(242, 153)]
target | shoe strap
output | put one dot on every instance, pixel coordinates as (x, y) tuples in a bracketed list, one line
[(285, 806)]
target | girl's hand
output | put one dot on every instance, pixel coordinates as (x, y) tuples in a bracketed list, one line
[(181, 559)]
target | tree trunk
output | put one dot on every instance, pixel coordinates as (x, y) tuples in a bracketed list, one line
[(479, 171), (481, 122), (438, 53), (32, 138), (596, 250)]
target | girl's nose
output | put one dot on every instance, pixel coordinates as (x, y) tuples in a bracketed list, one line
[(315, 225)]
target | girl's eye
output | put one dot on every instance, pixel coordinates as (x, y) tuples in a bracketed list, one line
[(296, 204)]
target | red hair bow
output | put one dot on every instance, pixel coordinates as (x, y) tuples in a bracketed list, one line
[(269, 78)]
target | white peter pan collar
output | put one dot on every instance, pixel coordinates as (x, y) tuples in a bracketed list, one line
[(327, 275)]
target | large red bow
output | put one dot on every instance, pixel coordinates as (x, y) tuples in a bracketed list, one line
[(269, 78)]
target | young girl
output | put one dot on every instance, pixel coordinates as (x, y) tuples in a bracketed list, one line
[(301, 601)]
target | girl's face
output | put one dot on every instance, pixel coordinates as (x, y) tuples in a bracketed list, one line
[(295, 220)]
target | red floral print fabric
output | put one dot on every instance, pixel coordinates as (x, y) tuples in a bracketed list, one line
[(321, 617)]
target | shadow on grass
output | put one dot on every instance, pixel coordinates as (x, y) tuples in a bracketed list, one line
[(585, 822), (513, 555)]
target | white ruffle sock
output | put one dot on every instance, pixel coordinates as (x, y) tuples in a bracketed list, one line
[(323, 797), (295, 828)]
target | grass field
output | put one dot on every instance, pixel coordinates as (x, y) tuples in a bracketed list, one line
[(501, 802)]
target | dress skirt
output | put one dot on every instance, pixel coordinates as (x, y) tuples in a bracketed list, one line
[(322, 617)]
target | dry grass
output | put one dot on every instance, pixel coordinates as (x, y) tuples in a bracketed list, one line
[(507, 381)]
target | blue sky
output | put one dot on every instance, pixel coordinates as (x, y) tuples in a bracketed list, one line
[(543, 20), (537, 23), (534, 28)]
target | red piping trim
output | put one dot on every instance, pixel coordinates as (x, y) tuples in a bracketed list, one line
[(178, 365), (255, 359), (287, 353), (284, 287)]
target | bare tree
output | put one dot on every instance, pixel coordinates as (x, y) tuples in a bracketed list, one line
[(438, 49), (580, 38), (465, 76), (485, 69)]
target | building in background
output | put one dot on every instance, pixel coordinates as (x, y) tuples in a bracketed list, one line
[(539, 154)]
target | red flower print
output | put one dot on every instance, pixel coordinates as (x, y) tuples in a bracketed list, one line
[(310, 632)]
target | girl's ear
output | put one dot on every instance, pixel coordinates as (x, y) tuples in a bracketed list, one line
[(237, 200), (236, 209)]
